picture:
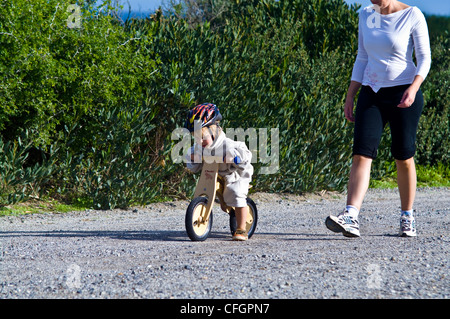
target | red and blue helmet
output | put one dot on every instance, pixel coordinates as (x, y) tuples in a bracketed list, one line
[(207, 113)]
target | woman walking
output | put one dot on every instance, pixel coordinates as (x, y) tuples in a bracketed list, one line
[(389, 32)]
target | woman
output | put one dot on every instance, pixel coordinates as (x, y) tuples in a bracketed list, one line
[(390, 83)]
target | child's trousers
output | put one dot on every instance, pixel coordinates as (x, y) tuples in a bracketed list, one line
[(235, 194)]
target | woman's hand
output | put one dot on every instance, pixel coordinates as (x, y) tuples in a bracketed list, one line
[(350, 100), (348, 110), (409, 95)]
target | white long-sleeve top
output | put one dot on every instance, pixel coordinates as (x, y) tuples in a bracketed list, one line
[(385, 48)]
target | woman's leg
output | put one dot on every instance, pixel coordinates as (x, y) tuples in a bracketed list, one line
[(347, 222), (369, 126), (407, 181), (359, 180), (404, 123)]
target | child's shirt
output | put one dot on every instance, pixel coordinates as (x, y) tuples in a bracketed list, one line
[(229, 149)]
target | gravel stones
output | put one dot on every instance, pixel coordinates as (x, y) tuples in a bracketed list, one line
[(145, 253)]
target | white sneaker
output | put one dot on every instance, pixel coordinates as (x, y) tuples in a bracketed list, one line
[(343, 223), (407, 226)]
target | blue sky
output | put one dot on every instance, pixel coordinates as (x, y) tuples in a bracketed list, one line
[(439, 7)]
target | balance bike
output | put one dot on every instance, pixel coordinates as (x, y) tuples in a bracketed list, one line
[(199, 217)]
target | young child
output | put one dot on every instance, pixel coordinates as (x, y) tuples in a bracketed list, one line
[(236, 168)]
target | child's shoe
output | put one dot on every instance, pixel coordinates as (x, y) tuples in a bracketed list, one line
[(240, 235), (343, 223), (407, 226)]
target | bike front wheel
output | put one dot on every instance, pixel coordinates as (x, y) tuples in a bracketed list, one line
[(197, 228)]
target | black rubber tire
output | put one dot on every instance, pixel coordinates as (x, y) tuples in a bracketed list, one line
[(195, 232)]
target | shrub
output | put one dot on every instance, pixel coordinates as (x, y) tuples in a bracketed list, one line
[(100, 102)]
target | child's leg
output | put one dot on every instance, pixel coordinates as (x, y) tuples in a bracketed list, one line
[(241, 220), (235, 195), (241, 217)]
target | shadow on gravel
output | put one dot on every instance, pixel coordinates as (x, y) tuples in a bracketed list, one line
[(176, 235), (302, 236), (159, 235)]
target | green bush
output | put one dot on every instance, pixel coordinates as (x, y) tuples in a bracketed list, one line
[(99, 102), (54, 75), (434, 127), (19, 178)]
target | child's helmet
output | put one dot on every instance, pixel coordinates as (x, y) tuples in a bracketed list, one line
[(207, 113)]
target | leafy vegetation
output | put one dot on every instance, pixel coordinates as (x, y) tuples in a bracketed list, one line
[(427, 176), (88, 111)]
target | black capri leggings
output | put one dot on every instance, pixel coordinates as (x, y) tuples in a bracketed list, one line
[(374, 110)]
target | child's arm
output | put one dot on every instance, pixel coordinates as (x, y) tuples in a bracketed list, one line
[(239, 155), (239, 158), (193, 160)]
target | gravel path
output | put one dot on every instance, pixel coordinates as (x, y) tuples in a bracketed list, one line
[(145, 252)]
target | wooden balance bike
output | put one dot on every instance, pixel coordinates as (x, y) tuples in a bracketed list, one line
[(199, 217)]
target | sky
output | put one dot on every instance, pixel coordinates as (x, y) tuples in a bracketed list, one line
[(430, 7)]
